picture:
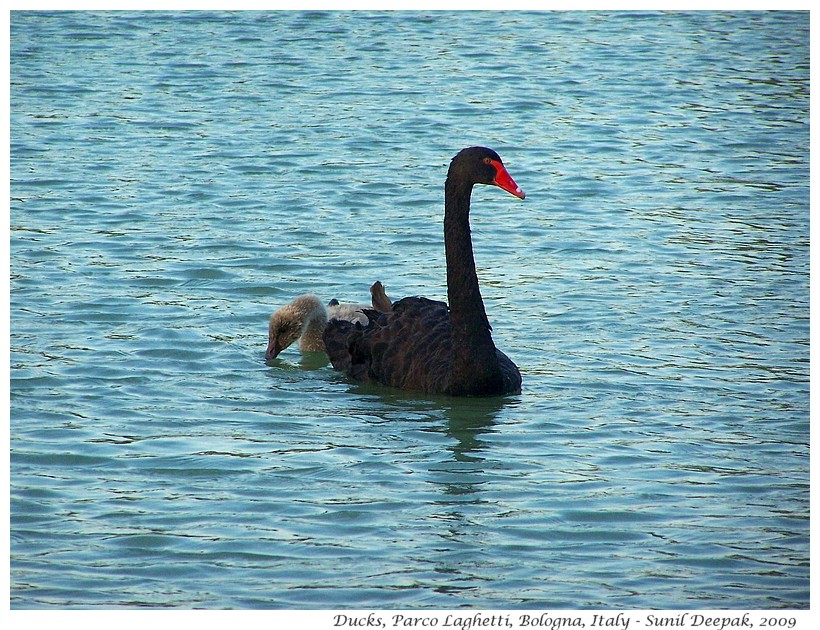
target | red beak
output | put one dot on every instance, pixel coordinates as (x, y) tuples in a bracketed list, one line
[(505, 181)]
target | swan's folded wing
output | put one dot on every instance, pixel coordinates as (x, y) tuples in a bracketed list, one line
[(408, 347)]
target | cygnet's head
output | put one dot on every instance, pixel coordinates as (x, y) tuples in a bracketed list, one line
[(289, 322)]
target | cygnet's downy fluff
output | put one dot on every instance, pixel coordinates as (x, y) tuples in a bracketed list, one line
[(306, 316)]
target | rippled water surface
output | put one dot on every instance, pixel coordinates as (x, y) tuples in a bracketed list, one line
[(176, 177)]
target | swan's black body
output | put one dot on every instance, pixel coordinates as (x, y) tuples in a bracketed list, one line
[(422, 344)]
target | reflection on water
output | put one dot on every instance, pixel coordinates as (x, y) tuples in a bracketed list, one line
[(467, 420)]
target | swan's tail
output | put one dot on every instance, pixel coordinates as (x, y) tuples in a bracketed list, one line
[(379, 298)]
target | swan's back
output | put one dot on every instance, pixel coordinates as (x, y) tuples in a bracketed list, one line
[(408, 347)]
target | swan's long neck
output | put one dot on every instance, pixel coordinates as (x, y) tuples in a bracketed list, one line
[(474, 359)]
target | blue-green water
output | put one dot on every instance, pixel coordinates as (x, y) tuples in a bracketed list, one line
[(176, 177)]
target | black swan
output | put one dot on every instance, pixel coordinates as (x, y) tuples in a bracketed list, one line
[(421, 344), (305, 319)]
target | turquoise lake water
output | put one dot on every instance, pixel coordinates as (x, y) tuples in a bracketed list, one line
[(175, 177)]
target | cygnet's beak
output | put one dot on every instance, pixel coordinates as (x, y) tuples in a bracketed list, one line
[(273, 350)]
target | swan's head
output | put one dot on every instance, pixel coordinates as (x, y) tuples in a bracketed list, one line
[(289, 322), (480, 165)]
